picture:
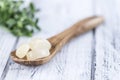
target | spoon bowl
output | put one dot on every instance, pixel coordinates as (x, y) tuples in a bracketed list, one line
[(60, 39)]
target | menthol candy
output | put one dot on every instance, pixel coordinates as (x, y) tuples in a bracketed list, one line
[(37, 48), (33, 55), (22, 50), (40, 44)]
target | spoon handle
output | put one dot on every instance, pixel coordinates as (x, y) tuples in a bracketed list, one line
[(77, 29)]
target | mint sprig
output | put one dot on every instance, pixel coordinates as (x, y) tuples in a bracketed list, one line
[(20, 22)]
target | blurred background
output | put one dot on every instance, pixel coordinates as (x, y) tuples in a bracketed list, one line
[(91, 56)]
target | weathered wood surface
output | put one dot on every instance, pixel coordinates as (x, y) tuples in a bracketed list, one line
[(92, 56), (7, 43), (108, 41)]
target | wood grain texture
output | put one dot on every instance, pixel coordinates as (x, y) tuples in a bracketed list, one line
[(73, 62), (108, 41), (7, 43)]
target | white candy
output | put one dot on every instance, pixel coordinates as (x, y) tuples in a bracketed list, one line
[(32, 55), (40, 44), (22, 50), (39, 49)]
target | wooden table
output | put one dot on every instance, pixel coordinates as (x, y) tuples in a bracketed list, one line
[(92, 56)]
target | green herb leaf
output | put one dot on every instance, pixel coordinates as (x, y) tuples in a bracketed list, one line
[(17, 20)]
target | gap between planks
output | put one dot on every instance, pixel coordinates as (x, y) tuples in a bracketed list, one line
[(93, 57), (8, 62)]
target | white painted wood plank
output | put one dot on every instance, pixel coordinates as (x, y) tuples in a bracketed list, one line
[(7, 41), (108, 41), (73, 62)]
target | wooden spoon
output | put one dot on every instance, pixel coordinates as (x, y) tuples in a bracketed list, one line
[(60, 39)]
